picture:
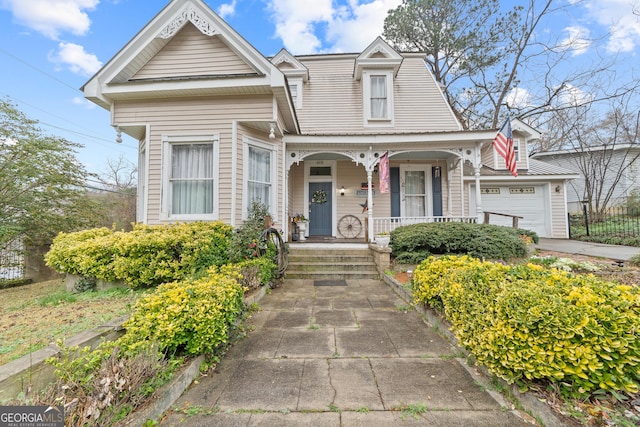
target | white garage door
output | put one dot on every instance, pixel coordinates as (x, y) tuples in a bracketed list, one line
[(527, 201)]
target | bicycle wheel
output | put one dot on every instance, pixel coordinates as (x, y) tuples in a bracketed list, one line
[(271, 243), (349, 226)]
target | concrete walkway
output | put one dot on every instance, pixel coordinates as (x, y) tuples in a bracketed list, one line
[(354, 355), (586, 248)]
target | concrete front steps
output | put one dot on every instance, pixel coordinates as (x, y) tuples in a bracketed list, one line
[(331, 261)]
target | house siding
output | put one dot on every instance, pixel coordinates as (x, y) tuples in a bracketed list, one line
[(418, 105), (190, 53), (608, 167), (491, 159), (193, 116)]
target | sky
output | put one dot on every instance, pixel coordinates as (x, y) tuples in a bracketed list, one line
[(50, 48)]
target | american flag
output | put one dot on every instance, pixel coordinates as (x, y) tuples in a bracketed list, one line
[(503, 143)]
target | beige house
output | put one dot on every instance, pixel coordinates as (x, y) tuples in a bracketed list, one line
[(220, 125)]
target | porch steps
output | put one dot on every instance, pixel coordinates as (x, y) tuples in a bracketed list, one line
[(330, 262)]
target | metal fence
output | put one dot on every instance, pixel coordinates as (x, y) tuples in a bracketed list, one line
[(620, 222), (12, 261)]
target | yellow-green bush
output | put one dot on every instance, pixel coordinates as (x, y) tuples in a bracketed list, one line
[(146, 256), (87, 252), (528, 322), (189, 317)]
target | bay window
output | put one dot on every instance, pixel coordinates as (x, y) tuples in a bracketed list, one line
[(190, 177), (260, 175)]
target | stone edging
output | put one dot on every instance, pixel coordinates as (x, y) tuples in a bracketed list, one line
[(31, 372)]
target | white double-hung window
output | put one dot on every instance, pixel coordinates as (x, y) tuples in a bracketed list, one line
[(190, 177), (259, 173), (378, 98)]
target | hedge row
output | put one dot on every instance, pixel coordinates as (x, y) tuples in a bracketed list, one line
[(146, 256), (188, 317), (413, 243), (529, 322)]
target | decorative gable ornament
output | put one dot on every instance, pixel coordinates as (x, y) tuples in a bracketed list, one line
[(377, 56), (290, 66), (192, 15)]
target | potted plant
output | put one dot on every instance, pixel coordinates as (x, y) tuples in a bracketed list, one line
[(383, 238), (301, 223)]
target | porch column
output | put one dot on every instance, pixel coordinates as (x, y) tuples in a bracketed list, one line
[(369, 205), (477, 164), (474, 156), (476, 173)]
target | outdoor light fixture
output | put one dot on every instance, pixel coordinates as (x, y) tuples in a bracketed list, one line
[(557, 188), (118, 135), (272, 130), (342, 191)]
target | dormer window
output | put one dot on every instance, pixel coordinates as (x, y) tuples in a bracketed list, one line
[(295, 89), (376, 68), (378, 98), (297, 75)]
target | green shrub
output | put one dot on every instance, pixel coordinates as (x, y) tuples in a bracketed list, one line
[(529, 322), (413, 243), (87, 253), (190, 317), (154, 254), (246, 238), (146, 256), (257, 272)]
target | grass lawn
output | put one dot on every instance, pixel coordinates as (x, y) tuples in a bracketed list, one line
[(34, 315)]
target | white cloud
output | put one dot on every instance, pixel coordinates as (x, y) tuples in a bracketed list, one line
[(572, 96), (295, 23), (617, 17), (227, 9), (52, 17), (314, 26), (83, 103), (76, 59), (518, 98), (577, 40), (359, 24)]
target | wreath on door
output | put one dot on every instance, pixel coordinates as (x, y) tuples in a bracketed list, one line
[(319, 197)]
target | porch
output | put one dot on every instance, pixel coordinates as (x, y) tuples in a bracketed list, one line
[(381, 225)]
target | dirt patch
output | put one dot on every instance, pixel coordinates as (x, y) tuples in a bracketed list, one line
[(402, 277), (34, 315), (608, 269)]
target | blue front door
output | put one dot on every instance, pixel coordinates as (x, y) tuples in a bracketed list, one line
[(320, 203)]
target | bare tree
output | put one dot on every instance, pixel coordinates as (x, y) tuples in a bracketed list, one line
[(491, 64), (117, 192), (607, 150)]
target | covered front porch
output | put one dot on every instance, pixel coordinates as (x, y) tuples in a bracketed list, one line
[(333, 190)]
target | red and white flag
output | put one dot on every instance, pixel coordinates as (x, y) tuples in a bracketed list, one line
[(503, 143)]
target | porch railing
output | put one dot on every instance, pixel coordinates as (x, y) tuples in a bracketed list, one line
[(381, 225)]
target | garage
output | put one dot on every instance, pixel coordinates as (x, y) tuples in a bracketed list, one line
[(531, 202)]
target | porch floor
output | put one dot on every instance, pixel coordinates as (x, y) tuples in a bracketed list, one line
[(315, 240)]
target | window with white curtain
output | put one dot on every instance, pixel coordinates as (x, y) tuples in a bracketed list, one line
[(190, 171), (259, 173), (378, 98)]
